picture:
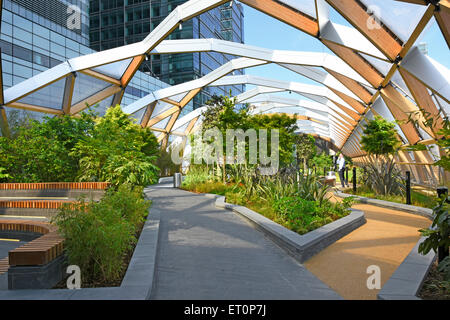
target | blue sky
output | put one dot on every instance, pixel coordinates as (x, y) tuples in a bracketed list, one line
[(264, 31)]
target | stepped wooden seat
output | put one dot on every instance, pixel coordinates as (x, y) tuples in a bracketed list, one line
[(39, 251)]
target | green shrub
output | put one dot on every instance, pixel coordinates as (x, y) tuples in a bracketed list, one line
[(196, 176), (129, 202), (293, 207), (444, 267), (98, 235), (40, 151), (438, 236), (117, 150), (302, 215)]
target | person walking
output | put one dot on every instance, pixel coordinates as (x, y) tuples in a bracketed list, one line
[(341, 169)]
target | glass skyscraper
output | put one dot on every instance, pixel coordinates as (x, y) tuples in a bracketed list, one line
[(33, 40), (40, 34), (115, 23)]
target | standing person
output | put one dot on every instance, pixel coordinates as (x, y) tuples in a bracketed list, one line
[(341, 168)]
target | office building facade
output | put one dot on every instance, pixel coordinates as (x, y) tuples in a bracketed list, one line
[(32, 41), (115, 23)]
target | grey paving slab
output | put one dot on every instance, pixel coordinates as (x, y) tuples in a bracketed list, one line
[(206, 252), (6, 246)]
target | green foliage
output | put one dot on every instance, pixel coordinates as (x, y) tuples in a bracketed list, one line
[(439, 233), (98, 235), (302, 216), (381, 174), (417, 198), (273, 189), (380, 137), (444, 267), (287, 137), (300, 206), (195, 176), (222, 114), (128, 200), (310, 188), (85, 148), (164, 162), (118, 151), (3, 175), (322, 161), (444, 144), (384, 178), (40, 151), (306, 148)]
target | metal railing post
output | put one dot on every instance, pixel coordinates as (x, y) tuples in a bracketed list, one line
[(408, 187)]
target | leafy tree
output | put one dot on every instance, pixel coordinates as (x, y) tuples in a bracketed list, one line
[(223, 114), (306, 148), (380, 137), (118, 151), (165, 164), (40, 151), (287, 137), (322, 161)]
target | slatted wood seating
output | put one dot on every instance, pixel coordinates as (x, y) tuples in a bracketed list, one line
[(40, 251), (34, 204), (55, 185), (4, 265)]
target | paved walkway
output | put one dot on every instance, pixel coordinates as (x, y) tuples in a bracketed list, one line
[(210, 253), (385, 240)]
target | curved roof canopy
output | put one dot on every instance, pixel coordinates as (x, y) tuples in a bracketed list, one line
[(376, 69)]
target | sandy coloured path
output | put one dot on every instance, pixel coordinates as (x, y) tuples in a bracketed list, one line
[(385, 240)]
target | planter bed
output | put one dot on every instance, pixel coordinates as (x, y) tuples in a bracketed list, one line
[(388, 204), (301, 247), (136, 284)]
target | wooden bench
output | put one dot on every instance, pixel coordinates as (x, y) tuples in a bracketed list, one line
[(39, 251), (55, 186)]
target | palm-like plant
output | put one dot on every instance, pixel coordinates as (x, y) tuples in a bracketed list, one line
[(310, 188), (384, 178)]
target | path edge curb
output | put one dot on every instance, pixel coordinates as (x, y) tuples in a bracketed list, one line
[(425, 212), (301, 247), (407, 280)]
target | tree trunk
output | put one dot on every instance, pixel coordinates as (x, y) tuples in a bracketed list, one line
[(223, 171)]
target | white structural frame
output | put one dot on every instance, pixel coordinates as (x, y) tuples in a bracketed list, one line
[(371, 59)]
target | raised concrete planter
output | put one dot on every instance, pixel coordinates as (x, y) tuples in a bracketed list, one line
[(390, 205), (301, 247), (408, 279), (37, 277), (136, 285)]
